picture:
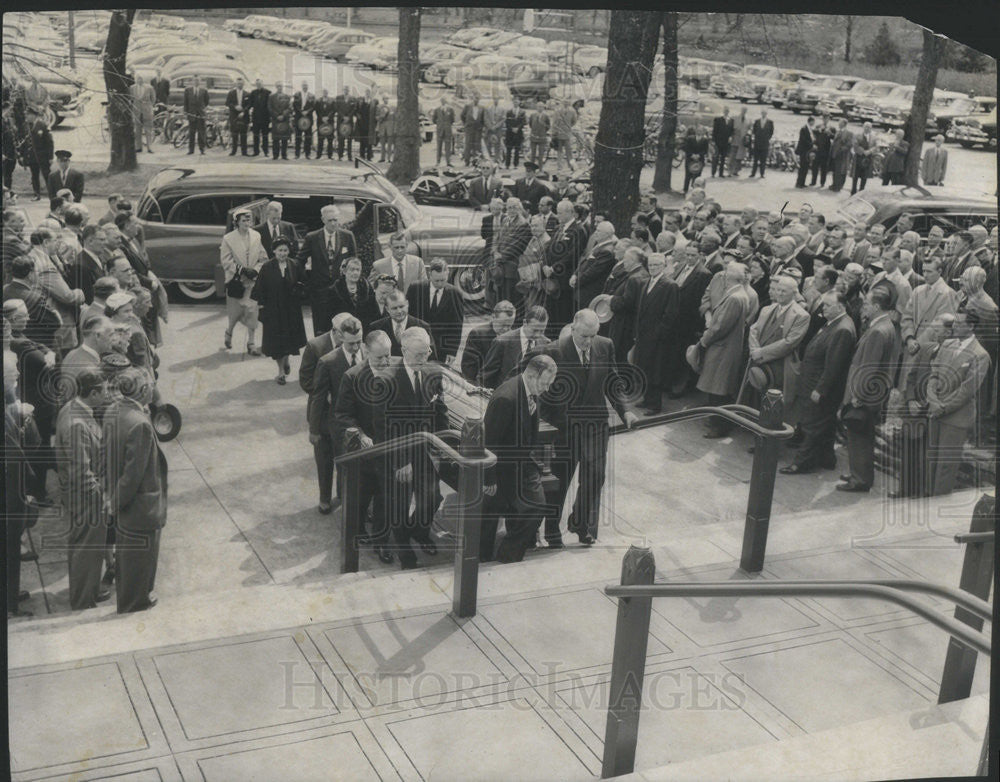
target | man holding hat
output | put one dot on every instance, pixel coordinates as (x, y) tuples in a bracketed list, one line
[(774, 336), (65, 177)]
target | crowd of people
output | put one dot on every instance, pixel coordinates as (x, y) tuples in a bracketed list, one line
[(82, 314), (855, 326)]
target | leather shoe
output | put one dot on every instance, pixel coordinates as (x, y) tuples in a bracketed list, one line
[(109, 577), (845, 478), (325, 508), (429, 548), (793, 469), (29, 556), (408, 564), (104, 594), (384, 555), (714, 434), (853, 486), (586, 539), (228, 340), (554, 542)]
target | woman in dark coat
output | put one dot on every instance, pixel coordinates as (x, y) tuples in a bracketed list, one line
[(280, 308), (353, 294), (695, 155), (760, 281)]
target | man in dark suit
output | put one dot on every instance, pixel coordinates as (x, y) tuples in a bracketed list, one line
[(398, 322), (762, 131), (485, 187), (439, 304), (274, 227), (692, 278), (869, 380), (508, 350), (864, 149), (354, 413), (588, 280), (303, 108), (89, 267), (161, 89), (14, 243), (413, 402), (259, 116), (480, 339), (822, 146), (587, 379), (722, 133), (625, 301), (326, 383), (562, 255), (529, 189), (36, 365), (135, 472), (513, 487), (238, 101), (473, 119), (315, 349), (822, 378), (321, 254), (802, 149), (43, 320), (655, 330), (65, 177), (80, 462), (195, 103)]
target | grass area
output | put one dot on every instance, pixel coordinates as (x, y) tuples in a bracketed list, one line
[(131, 184)]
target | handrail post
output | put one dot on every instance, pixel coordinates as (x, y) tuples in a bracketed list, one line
[(351, 516), (976, 578), (628, 666), (765, 469), (470, 507)]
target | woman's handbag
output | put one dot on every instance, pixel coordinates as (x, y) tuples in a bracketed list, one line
[(235, 289)]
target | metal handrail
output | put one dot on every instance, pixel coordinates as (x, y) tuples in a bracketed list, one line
[(880, 590), (741, 415), (488, 459), (974, 537)]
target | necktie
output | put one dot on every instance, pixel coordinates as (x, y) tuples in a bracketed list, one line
[(532, 403), (399, 274), (435, 298), (329, 245), (417, 385), (585, 358), (529, 345), (354, 359)]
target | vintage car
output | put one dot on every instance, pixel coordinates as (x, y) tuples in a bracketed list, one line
[(723, 84), (588, 60), (755, 82), (788, 78), (446, 59), (811, 96), (463, 36), (953, 211), (975, 130), (254, 25), (67, 97), (698, 72), (377, 53), (185, 212), (859, 104), (486, 67), (889, 111), (543, 81), (951, 105), (218, 79), (336, 45)]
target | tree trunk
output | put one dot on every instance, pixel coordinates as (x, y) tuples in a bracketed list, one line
[(406, 160), (668, 127), (618, 147), (119, 99), (847, 39), (922, 95)]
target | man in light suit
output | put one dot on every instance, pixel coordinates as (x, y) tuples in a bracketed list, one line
[(820, 391), (957, 374), (321, 254), (398, 322), (238, 101), (589, 379), (323, 398), (96, 336), (692, 280), (935, 163), (869, 380), (195, 103), (44, 322), (935, 297), (440, 305), (775, 335), (241, 255), (136, 480), (508, 351), (513, 486), (405, 267), (81, 471), (274, 227)]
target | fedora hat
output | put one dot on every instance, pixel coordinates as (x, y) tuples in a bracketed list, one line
[(694, 357), (761, 377), (601, 304), (551, 287)]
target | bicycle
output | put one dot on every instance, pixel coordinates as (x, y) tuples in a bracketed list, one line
[(166, 123), (216, 132)]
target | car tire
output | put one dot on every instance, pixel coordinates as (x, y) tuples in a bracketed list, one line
[(796, 111), (196, 291), (966, 144)]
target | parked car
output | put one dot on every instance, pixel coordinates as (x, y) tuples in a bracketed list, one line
[(755, 82), (864, 97), (787, 79), (184, 212), (377, 53), (542, 81), (950, 105), (462, 37), (218, 79), (723, 84), (975, 130), (67, 97), (891, 111), (488, 67), (338, 44), (809, 96), (255, 25), (590, 60), (952, 211)]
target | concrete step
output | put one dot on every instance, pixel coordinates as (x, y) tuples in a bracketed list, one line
[(935, 742)]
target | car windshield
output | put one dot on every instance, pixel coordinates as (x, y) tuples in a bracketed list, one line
[(856, 210), (881, 90)]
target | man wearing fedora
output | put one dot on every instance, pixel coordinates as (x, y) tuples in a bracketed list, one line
[(773, 339), (65, 177)]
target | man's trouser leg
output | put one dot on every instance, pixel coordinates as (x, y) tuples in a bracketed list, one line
[(87, 542), (136, 554), (593, 463), (861, 451), (321, 318), (323, 452), (819, 428)]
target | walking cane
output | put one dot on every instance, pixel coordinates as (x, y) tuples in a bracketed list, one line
[(743, 383)]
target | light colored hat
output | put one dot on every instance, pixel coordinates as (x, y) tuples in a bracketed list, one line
[(601, 304), (694, 357), (118, 300)]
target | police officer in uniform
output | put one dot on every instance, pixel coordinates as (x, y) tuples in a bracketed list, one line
[(326, 122), (279, 107)]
